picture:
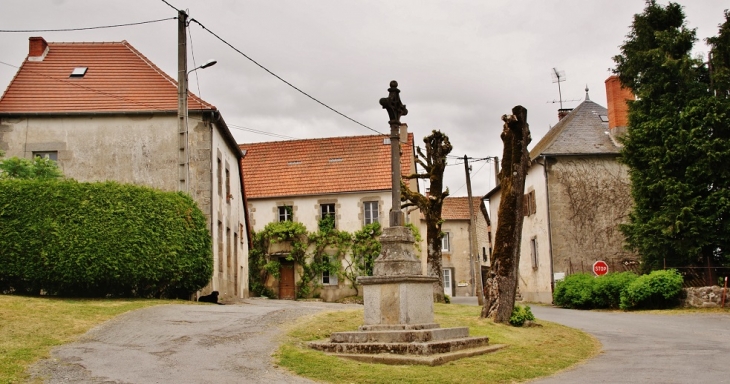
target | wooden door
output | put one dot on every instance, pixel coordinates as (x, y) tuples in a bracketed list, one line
[(286, 281)]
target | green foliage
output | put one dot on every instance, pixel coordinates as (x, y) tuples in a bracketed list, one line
[(327, 223), (260, 264), (659, 289), (607, 289), (678, 142), (38, 168), (576, 291), (521, 314), (447, 299), (314, 252), (585, 291), (100, 239), (416, 237), (366, 248)]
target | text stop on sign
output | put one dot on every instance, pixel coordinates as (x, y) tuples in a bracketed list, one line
[(600, 268)]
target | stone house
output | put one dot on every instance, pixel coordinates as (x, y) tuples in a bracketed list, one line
[(576, 196), (348, 178), (458, 270), (103, 111)]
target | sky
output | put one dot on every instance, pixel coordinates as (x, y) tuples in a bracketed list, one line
[(460, 64)]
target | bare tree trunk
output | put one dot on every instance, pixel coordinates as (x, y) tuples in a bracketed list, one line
[(501, 285), (433, 162), (434, 264)]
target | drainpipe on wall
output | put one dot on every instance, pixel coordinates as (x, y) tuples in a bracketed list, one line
[(550, 231)]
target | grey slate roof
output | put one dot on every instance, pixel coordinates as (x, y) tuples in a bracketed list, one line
[(580, 132)]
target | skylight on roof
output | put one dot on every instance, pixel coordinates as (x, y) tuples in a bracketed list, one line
[(79, 72), (604, 118)]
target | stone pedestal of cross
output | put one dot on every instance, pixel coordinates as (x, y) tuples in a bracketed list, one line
[(399, 325)]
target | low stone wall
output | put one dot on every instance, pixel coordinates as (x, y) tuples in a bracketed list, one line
[(704, 297)]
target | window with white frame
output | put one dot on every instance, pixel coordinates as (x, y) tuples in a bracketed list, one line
[(286, 213), (327, 216), (533, 252), (446, 243), (329, 277), (371, 212)]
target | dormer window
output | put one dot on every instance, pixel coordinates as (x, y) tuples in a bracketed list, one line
[(79, 72)]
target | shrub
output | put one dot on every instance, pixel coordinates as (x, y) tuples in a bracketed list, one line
[(607, 289), (101, 239), (659, 289), (576, 291), (521, 314)]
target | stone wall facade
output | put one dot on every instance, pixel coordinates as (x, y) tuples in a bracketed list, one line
[(703, 297)]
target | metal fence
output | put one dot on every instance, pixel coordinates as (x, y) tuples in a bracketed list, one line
[(702, 276)]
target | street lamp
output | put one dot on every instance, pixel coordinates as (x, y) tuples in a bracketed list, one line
[(207, 64)]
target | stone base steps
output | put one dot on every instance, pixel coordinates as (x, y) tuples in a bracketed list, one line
[(402, 348), (405, 336), (430, 360)]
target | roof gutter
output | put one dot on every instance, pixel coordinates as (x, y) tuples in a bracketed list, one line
[(97, 113)]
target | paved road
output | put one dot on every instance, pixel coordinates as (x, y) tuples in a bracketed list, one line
[(645, 348), (182, 344), (233, 344)]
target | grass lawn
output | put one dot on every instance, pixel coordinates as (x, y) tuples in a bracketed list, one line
[(31, 326), (532, 352)]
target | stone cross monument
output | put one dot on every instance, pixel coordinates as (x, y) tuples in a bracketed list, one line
[(399, 325)]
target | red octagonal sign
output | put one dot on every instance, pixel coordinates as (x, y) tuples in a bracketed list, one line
[(600, 268)]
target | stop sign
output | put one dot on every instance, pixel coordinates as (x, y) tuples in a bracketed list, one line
[(600, 268)]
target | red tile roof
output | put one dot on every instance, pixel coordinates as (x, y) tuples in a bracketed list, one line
[(119, 79), (321, 166), (457, 208)]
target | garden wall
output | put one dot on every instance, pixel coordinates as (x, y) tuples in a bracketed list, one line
[(703, 297)]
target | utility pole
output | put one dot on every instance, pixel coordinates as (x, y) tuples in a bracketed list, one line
[(182, 101), (476, 266)]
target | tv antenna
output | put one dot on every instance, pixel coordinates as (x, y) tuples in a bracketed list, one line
[(558, 77)]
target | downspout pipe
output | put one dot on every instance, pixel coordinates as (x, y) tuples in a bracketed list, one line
[(549, 225)]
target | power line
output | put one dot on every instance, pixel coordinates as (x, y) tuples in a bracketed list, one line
[(281, 79), (261, 132), (195, 65), (83, 29), (477, 171), (170, 5)]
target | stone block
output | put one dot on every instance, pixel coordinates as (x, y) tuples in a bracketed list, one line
[(398, 300)]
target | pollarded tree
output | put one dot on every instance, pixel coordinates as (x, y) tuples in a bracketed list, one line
[(501, 285), (678, 142), (433, 163)]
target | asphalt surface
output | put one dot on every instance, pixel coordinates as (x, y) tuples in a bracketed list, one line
[(234, 343), (182, 344), (645, 348)]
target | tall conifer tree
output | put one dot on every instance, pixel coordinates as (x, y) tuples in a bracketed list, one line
[(678, 142)]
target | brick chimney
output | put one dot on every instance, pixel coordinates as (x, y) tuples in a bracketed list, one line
[(618, 109), (38, 48), (563, 112)]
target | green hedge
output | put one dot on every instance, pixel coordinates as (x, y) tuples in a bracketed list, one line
[(101, 239), (659, 289), (625, 290)]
